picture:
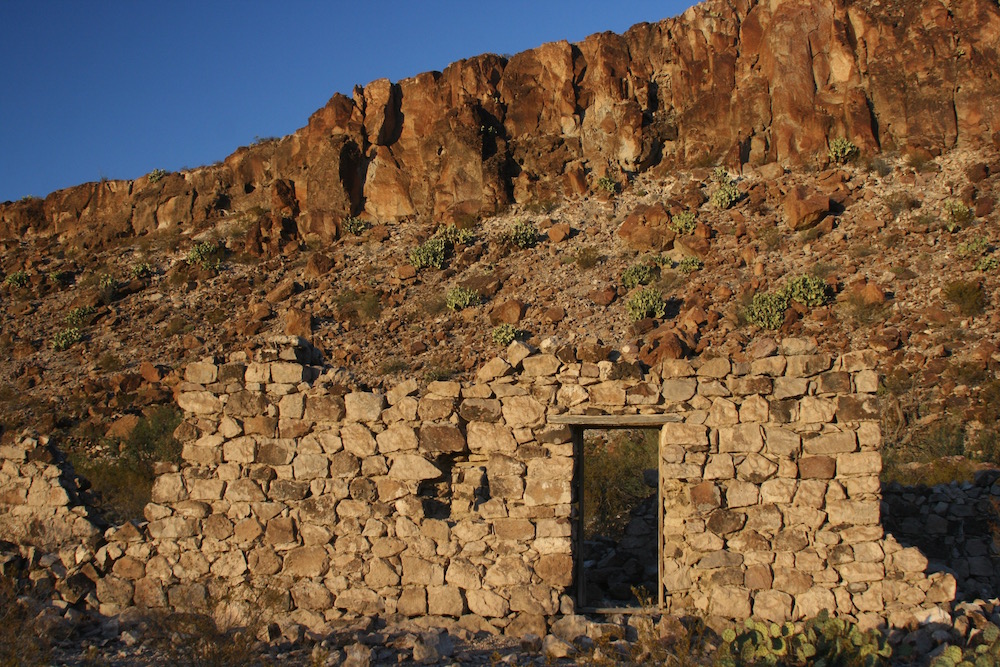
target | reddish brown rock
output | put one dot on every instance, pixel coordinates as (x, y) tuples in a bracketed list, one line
[(645, 228), (804, 208), (509, 312)]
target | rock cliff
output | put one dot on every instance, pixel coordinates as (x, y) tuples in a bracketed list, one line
[(735, 83)]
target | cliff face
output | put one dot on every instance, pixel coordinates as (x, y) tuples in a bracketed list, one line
[(732, 83)]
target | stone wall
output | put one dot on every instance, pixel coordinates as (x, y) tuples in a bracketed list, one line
[(460, 500), (955, 525), (38, 502)]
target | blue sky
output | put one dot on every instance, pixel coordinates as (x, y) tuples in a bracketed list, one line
[(115, 89)]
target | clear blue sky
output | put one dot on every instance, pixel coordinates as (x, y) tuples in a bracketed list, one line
[(104, 88)]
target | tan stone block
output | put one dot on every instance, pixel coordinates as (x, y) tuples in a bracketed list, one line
[(866, 382), (445, 388), (487, 604), (607, 393), (743, 438), (445, 601), (853, 512), (412, 467), (548, 492), (541, 365), (831, 443), (908, 560), (719, 466), (324, 408), (199, 402), (240, 450), (172, 527), (680, 433), (257, 373), (381, 574), (813, 601), (200, 372), (782, 441), (230, 564), (858, 407), (441, 438), (722, 413), (813, 410), (244, 490), (525, 411), (206, 489), (435, 408), (770, 366), (787, 387), (729, 602), (808, 365), (678, 389), (572, 394), (817, 467), (742, 494), (360, 601), (398, 437), (363, 406), (291, 406), (493, 369), (855, 572), (773, 606), (754, 409), (306, 562), (719, 367), (358, 440), (779, 491), (862, 463), (412, 601), (169, 488)]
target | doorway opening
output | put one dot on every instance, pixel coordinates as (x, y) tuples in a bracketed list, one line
[(619, 518)]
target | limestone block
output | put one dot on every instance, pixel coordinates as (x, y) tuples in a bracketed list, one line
[(441, 439), (782, 442), (240, 450), (525, 411), (795, 346), (719, 466), (359, 601), (396, 438), (778, 491), (412, 467), (572, 394), (854, 572), (678, 389), (908, 560), (363, 406), (753, 384), (813, 410), (206, 489), (507, 571), (742, 439), (722, 413), (172, 528), (445, 601), (291, 406), (480, 409), (487, 604), (200, 372), (283, 372), (553, 467), (420, 571), (187, 597), (866, 382), (719, 367), (246, 404), (257, 373), (547, 492), (324, 408), (306, 562), (435, 408), (861, 463), (807, 365), (754, 409), (729, 602), (114, 591), (853, 512), (358, 440), (817, 467), (244, 490), (381, 574), (541, 365), (310, 466), (857, 407), (773, 606), (769, 366), (675, 368), (831, 443), (401, 390), (742, 494), (607, 393), (493, 369), (275, 452), (413, 601), (858, 361), (169, 488), (681, 433), (811, 602), (230, 564), (311, 595), (199, 402)]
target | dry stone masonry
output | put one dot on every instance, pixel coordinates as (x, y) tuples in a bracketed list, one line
[(323, 502)]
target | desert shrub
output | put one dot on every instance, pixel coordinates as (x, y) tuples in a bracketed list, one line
[(355, 226), (988, 263), (156, 175), (505, 334), (879, 166), (807, 290), (206, 254), (690, 265), (141, 270), (607, 184), (864, 312), (459, 297), (78, 316), (109, 362), (957, 212), (975, 246), (725, 195), (767, 310), (66, 338), (842, 150), (901, 201), (429, 254), (682, 223), (647, 302), (22, 640), (61, 278), (122, 481), (454, 235), (638, 274), (613, 483), (587, 257), (358, 307), (16, 279), (823, 640), (967, 295), (522, 234)]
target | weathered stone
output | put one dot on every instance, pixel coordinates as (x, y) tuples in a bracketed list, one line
[(743, 438), (441, 439), (363, 406), (412, 467), (199, 402)]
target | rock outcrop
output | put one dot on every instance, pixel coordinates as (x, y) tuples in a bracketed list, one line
[(732, 83)]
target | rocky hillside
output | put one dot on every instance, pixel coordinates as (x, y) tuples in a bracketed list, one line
[(854, 201)]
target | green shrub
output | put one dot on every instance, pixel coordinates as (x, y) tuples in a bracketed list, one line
[(647, 302), (429, 254), (205, 255), (967, 295), (355, 226), (690, 265), (587, 257), (522, 234), (607, 184), (822, 641), (988, 263), (17, 279), (638, 274), (725, 195), (957, 212), (613, 483), (107, 282), (842, 150), (156, 175), (978, 245), (453, 235), (767, 310), (459, 297), (505, 334), (66, 338), (807, 290), (77, 316), (141, 270), (682, 223), (721, 176)]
